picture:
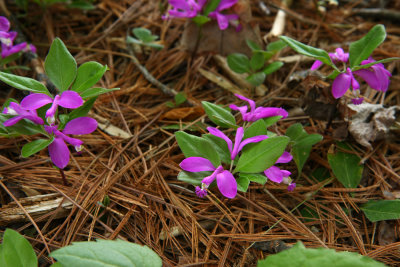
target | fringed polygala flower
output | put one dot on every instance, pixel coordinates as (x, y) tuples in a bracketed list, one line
[(67, 99), (226, 182), (20, 113), (376, 76), (277, 175), (338, 56), (184, 8), (234, 149), (257, 113), (58, 150), (224, 19)]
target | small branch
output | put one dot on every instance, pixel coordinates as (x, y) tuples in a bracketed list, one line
[(63, 177), (377, 13)]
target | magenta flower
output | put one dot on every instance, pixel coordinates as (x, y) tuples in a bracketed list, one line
[(224, 19), (7, 47), (67, 99), (376, 76), (277, 175), (226, 183), (237, 147), (58, 150), (338, 56), (184, 8), (343, 82), (15, 109), (257, 113), (4, 24)]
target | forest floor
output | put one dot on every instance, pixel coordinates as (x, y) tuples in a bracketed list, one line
[(133, 158)]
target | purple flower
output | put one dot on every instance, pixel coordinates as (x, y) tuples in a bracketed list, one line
[(338, 56), (7, 47), (277, 175), (224, 19), (237, 147), (15, 109), (67, 99), (343, 82), (58, 150), (4, 24), (225, 181), (257, 113), (376, 76), (184, 8)]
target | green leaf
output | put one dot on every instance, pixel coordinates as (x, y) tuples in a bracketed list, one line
[(271, 120), (194, 146), (381, 210), (56, 264), (363, 48), (144, 35), (300, 256), (179, 98), (242, 183), (92, 92), (88, 74), (257, 128), (35, 146), (276, 46), (83, 5), (220, 145), (375, 62), (274, 66), (106, 253), (255, 177), (219, 115), (253, 45), (262, 155), (211, 6), (83, 110), (257, 61), (24, 126), (239, 63), (193, 178), (60, 65), (346, 168), (256, 79), (200, 20), (154, 45), (16, 251), (307, 50), (23, 83), (302, 144)]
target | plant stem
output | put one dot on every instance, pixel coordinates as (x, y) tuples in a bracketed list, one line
[(64, 180)]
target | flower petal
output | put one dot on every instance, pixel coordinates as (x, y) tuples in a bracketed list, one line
[(197, 164), (81, 125), (222, 20), (316, 65), (225, 4), (218, 133), (35, 101), (341, 84), (4, 24), (227, 184), (59, 153), (251, 102), (238, 139), (254, 139), (242, 109), (70, 99), (266, 112), (370, 77), (274, 174), (12, 121), (285, 158)]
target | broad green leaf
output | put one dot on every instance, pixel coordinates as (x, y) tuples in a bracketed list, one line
[(256, 78), (193, 178), (144, 35), (333, 75), (375, 62), (221, 147), (81, 4), (83, 110), (302, 143), (194, 146), (257, 128), (307, 50), (381, 210), (274, 66), (321, 174), (24, 127), (257, 61), (179, 98), (301, 256), (88, 74), (60, 65), (276, 46), (106, 253), (262, 155), (242, 183), (35, 146), (253, 45), (239, 63), (309, 214), (23, 83), (154, 45), (271, 120), (57, 264), (255, 177), (200, 20), (16, 251), (219, 115), (346, 167), (363, 48), (211, 6), (92, 92)]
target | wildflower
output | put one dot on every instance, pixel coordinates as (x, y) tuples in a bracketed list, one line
[(237, 147), (226, 183), (58, 150), (257, 113), (7, 47), (338, 56), (67, 99), (184, 8), (376, 76), (224, 19), (277, 175), (343, 82), (15, 109)]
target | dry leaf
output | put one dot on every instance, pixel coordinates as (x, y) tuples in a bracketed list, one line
[(186, 113)]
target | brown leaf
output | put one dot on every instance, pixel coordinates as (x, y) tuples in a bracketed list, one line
[(186, 113)]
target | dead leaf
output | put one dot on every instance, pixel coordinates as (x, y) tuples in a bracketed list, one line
[(186, 113)]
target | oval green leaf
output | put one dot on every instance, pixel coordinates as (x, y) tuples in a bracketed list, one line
[(381, 210), (16, 251), (23, 83), (88, 74), (35, 146), (239, 63), (219, 115), (92, 92)]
